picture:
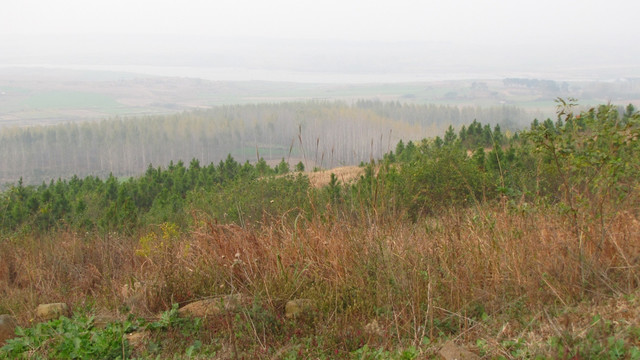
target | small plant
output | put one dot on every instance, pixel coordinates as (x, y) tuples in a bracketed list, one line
[(516, 348), (79, 338), (481, 344), (175, 334), (152, 245), (65, 338), (604, 340)]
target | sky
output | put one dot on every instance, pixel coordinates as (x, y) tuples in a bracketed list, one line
[(451, 20), (485, 32)]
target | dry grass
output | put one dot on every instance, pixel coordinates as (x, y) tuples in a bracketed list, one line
[(410, 278), (65, 267), (345, 174)]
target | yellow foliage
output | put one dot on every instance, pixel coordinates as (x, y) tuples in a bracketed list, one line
[(169, 231), (151, 244)]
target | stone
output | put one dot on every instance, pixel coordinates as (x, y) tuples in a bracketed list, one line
[(451, 351), (210, 307), (201, 308), (298, 307), (7, 327), (52, 311)]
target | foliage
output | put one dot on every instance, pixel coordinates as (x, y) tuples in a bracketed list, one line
[(601, 341), (80, 338), (161, 195), (585, 161), (75, 338), (442, 238), (591, 167), (591, 155)]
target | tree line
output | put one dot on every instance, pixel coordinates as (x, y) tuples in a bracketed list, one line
[(321, 134), (587, 163)]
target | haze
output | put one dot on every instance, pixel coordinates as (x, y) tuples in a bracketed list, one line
[(327, 41)]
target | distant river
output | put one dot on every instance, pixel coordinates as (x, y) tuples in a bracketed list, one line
[(239, 74)]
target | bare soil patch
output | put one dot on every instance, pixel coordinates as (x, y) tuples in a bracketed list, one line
[(345, 174)]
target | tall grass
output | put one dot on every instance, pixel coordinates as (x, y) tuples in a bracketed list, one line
[(432, 277)]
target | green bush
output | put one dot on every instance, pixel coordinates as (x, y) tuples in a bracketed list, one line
[(65, 338)]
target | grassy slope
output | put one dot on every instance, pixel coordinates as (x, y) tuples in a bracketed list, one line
[(503, 280)]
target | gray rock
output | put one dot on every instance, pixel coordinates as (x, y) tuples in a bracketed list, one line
[(46, 312), (7, 327)]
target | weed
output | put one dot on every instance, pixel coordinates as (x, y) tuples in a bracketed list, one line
[(75, 338)]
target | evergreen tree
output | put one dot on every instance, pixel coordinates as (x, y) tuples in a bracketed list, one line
[(282, 167)]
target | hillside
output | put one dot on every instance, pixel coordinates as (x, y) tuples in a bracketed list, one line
[(526, 250)]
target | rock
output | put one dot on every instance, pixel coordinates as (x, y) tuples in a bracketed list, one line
[(48, 312), (451, 351), (210, 307), (7, 327), (298, 307), (201, 308)]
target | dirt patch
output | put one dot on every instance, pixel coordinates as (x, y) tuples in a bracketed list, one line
[(345, 174)]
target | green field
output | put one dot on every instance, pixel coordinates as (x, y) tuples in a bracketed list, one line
[(71, 100), (50, 95)]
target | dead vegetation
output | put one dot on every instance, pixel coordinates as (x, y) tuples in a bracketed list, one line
[(459, 274)]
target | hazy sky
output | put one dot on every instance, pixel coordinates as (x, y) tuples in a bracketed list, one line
[(450, 20), (513, 29)]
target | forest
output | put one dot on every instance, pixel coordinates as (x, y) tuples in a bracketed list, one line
[(517, 244), (322, 134)]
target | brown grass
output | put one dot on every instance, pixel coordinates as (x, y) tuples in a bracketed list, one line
[(410, 278)]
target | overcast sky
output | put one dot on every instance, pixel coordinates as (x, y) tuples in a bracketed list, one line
[(584, 28), (450, 20)]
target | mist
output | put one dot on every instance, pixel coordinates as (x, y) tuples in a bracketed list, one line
[(317, 60), (332, 41)]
